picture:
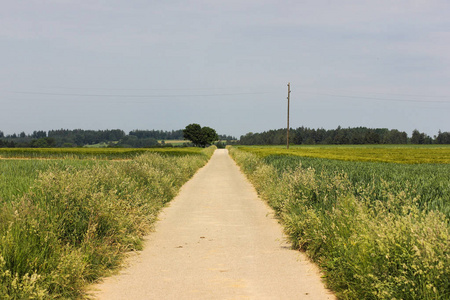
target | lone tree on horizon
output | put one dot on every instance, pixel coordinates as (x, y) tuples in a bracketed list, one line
[(200, 136)]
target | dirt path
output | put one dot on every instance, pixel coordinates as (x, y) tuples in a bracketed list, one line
[(217, 240)]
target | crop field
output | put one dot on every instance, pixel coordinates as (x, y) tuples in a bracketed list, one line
[(18, 175), (67, 216), (404, 154), (90, 153), (376, 219), (174, 142)]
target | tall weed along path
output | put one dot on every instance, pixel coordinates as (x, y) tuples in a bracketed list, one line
[(76, 222), (216, 240), (374, 238)]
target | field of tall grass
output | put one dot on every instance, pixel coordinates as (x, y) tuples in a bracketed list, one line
[(90, 153), (64, 222), (378, 230)]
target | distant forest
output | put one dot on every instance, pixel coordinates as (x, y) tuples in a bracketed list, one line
[(103, 138), (342, 136), (160, 138)]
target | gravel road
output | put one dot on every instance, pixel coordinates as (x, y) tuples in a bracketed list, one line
[(216, 240)]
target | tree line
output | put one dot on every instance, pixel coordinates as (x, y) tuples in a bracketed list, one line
[(154, 138), (342, 136), (106, 138), (61, 138)]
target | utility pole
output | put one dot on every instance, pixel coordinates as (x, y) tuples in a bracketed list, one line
[(288, 98)]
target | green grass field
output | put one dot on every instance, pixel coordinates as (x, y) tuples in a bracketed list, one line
[(18, 175), (68, 215), (19, 167), (378, 229), (174, 142), (91, 153)]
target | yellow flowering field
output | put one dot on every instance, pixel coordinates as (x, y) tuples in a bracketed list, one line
[(405, 154)]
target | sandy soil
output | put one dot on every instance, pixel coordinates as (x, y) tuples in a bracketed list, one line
[(217, 240)]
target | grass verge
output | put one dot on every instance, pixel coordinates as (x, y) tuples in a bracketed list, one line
[(74, 224), (369, 247)]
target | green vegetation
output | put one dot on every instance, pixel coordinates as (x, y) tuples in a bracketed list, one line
[(378, 230), (64, 138), (18, 175), (200, 136), (173, 142), (429, 183), (404, 154), (90, 153), (342, 136), (64, 223)]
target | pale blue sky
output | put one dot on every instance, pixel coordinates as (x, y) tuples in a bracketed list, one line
[(224, 64)]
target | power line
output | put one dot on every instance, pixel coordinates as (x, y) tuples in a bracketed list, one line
[(378, 99), (139, 89), (411, 95), (185, 95), (138, 96), (343, 91)]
